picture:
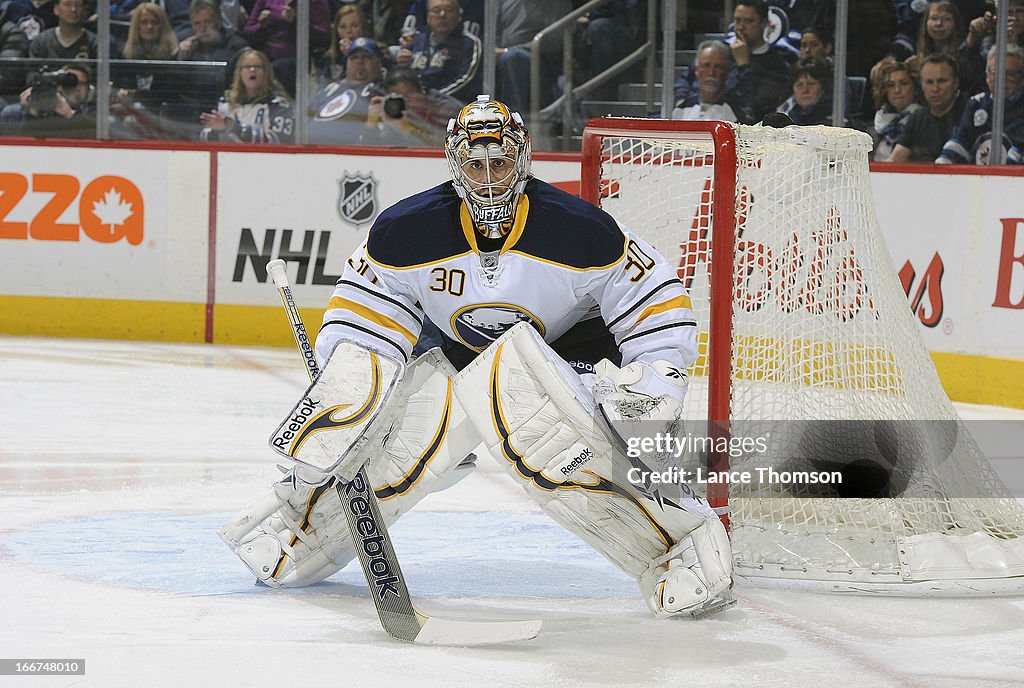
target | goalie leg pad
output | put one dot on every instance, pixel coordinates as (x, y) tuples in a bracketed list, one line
[(351, 398), (296, 534), (536, 417), (693, 578)]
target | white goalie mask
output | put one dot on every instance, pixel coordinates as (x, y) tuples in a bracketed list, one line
[(488, 151)]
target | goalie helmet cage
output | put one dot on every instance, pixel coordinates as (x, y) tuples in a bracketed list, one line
[(807, 342)]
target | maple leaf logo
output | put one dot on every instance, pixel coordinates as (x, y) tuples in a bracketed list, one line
[(112, 210)]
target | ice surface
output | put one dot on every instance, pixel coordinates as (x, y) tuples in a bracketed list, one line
[(119, 461)]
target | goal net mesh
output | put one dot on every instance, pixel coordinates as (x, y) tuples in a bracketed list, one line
[(827, 366)]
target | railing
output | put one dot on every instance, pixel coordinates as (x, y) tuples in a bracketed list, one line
[(566, 102)]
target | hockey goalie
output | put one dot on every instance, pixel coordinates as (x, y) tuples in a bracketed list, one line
[(496, 309)]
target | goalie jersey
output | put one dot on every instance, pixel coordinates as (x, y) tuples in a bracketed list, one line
[(564, 261)]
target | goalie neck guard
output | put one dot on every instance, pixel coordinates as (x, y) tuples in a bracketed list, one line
[(488, 152)]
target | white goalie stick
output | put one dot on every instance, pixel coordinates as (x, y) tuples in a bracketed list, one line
[(372, 542)]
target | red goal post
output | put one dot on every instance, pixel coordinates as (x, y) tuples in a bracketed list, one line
[(723, 198)]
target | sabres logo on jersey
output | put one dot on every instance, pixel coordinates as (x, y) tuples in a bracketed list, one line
[(478, 325)]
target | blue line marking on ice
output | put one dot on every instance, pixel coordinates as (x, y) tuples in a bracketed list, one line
[(442, 554)]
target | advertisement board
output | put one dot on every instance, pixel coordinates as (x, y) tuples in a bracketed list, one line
[(123, 240), (123, 232)]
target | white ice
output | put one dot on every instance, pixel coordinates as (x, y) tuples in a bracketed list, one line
[(119, 461)]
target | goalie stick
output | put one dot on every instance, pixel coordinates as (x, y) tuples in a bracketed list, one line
[(372, 542)]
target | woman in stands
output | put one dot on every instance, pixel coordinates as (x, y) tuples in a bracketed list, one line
[(811, 102), (255, 109), (896, 95), (349, 23), (150, 36)]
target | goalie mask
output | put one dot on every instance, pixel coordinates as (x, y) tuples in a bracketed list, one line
[(488, 151)]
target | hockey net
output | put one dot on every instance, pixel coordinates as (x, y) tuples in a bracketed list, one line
[(807, 343)]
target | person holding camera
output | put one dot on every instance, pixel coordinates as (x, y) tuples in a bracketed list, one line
[(57, 103), (981, 36), (408, 114)]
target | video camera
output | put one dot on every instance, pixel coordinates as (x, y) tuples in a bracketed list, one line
[(44, 83)]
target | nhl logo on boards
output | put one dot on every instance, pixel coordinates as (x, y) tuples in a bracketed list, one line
[(357, 198)]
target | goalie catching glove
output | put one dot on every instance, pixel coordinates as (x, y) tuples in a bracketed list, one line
[(640, 391)]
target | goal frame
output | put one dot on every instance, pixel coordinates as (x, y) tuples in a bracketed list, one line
[(720, 269)]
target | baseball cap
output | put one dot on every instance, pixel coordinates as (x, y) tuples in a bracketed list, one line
[(367, 45)]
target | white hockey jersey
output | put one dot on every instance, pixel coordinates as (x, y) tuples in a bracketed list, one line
[(564, 261)]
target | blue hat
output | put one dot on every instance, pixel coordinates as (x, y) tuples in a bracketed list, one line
[(367, 45)]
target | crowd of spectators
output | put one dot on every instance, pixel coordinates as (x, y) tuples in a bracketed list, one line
[(929, 67), (920, 73)]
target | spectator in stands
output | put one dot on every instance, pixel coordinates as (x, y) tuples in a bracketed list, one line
[(971, 139), (762, 82), (472, 17), (896, 95), (14, 44), (927, 129), (211, 41), (349, 23), (255, 109), (178, 14), (416, 117), (31, 16), (816, 43), (69, 40), (519, 21), (446, 58), (610, 34), (981, 36), (911, 17), (709, 99), (338, 112), (64, 111), (942, 30), (150, 36), (271, 27), (811, 102)]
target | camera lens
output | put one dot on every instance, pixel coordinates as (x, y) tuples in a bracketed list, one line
[(394, 105)]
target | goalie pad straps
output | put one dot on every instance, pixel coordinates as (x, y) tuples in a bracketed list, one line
[(538, 420), (296, 534)]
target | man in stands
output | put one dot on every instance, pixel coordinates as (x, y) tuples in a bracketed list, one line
[(971, 141), (928, 129), (762, 69)]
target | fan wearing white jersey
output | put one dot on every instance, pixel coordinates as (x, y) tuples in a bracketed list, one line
[(539, 298)]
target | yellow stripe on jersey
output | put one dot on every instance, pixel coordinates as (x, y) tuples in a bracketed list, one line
[(522, 212), (677, 302), (371, 315)]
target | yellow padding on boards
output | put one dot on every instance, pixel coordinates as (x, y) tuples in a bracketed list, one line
[(261, 325), (981, 380), (47, 316)]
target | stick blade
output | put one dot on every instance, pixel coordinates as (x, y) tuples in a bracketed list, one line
[(465, 633)]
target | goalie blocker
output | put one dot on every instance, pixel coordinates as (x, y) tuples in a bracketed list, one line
[(539, 420)]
